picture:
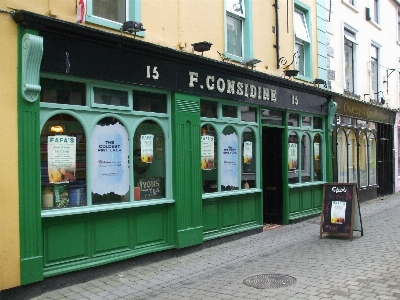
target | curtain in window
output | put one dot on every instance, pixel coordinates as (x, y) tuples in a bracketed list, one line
[(362, 160), (352, 151), (372, 158)]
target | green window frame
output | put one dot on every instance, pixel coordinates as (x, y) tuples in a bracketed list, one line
[(306, 144), (84, 119), (133, 13), (305, 60), (239, 11), (214, 132)]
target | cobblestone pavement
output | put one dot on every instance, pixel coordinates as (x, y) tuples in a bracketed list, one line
[(328, 268)]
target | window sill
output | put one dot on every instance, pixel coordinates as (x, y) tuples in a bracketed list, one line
[(304, 78), (58, 212), (314, 183), (375, 24), (231, 193), (353, 8)]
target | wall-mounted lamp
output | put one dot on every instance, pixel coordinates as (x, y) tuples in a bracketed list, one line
[(132, 27), (201, 47), (251, 62), (382, 98), (285, 66), (320, 81)]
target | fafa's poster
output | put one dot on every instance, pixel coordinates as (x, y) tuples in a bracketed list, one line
[(207, 152), (316, 151), (292, 156), (229, 155), (247, 152), (147, 148), (61, 150), (110, 170)]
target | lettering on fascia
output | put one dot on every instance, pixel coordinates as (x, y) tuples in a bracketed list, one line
[(232, 87)]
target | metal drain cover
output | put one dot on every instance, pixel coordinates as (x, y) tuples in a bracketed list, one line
[(269, 281)]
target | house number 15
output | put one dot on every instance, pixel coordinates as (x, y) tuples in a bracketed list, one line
[(295, 101), (152, 73)]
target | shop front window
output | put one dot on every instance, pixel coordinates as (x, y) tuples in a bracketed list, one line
[(293, 172), (362, 159), (149, 161), (109, 146), (229, 159), (318, 176), (63, 163), (352, 156), (249, 159), (209, 163), (305, 158), (341, 148), (372, 158)]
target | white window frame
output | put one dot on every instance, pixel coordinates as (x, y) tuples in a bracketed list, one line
[(350, 34)]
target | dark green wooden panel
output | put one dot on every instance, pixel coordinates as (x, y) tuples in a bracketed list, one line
[(64, 240), (110, 234), (317, 196), (230, 213), (210, 216), (150, 227), (29, 183), (306, 199), (187, 171), (249, 209), (294, 200)]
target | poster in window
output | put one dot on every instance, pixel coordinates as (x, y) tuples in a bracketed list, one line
[(61, 159), (247, 152), (229, 178), (147, 148), (110, 149), (207, 152), (292, 156), (316, 151)]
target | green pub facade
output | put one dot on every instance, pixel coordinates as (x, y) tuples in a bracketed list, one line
[(139, 148)]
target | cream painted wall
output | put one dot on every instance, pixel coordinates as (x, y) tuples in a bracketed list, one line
[(385, 34), (9, 209)]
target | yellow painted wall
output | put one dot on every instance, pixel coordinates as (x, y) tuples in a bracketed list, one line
[(9, 209)]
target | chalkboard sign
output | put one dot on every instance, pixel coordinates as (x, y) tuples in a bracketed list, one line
[(150, 188), (340, 210)]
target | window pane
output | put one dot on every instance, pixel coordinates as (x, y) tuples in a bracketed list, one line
[(299, 60), (293, 120), (352, 152), (229, 111), (151, 102), (348, 68), (306, 121), (293, 173), (229, 159), (208, 109), (248, 113), (374, 73), (62, 92), (109, 162), (63, 162), (149, 161), (372, 158), (249, 159), (362, 160), (318, 176), (305, 158), (272, 117), (317, 123), (341, 156), (114, 10), (209, 163), (110, 97), (234, 36), (300, 26)]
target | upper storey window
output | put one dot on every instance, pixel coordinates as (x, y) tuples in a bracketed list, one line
[(302, 40)]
